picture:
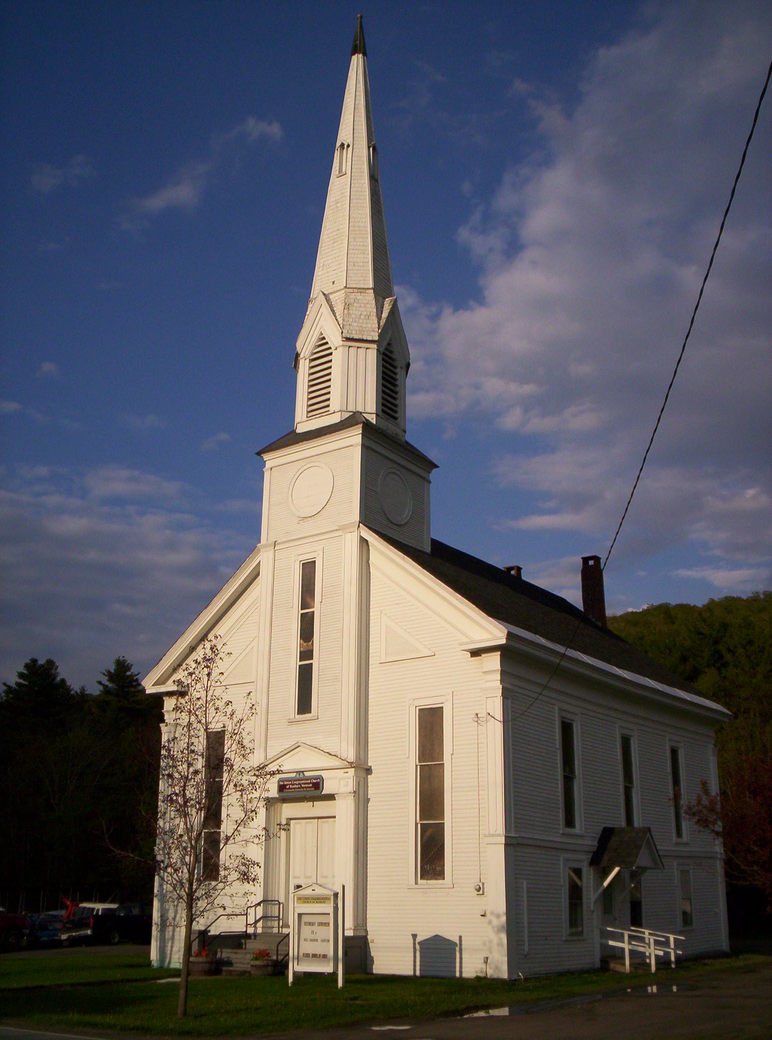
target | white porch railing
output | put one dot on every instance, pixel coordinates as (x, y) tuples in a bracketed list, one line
[(643, 941)]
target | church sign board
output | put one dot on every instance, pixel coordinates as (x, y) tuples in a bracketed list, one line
[(299, 785), (317, 932)]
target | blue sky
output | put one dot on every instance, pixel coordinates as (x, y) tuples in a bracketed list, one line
[(553, 177)]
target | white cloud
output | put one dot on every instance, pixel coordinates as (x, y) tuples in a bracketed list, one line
[(591, 253), (215, 442), (185, 189), (10, 407), (738, 582), (143, 423), (47, 178), (119, 482), (89, 574), (48, 370)]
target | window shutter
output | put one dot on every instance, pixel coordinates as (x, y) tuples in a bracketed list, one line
[(319, 380), (389, 385)]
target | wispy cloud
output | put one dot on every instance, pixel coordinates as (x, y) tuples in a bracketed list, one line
[(143, 423), (47, 370), (10, 407), (215, 442), (47, 178), (100, 564), (185, 188), (591, 253)]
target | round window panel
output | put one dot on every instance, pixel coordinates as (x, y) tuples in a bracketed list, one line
[(310, 490), (394, 494)]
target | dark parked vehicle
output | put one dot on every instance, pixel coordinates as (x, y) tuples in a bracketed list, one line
[(107, 924), (14, 929), (45, 928)]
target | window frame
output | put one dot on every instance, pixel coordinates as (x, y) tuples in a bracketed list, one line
[(682, 870), (574, 866), (572, 719), (209, 860), (678, 820), (416, 705), (316, 558), (628, 734)]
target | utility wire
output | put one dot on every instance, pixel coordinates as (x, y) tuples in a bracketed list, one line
[(694, 315), (571, 638)]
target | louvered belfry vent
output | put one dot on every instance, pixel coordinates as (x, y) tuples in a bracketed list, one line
[(319, 379), (389, 386)]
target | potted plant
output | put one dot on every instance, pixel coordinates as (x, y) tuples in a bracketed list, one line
[(262, 963), (201, 963)]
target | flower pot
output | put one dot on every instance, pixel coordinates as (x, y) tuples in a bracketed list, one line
[(262, 968), (202, 966)]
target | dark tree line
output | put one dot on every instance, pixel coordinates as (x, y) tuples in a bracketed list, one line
[(78, 781), (724, 649)]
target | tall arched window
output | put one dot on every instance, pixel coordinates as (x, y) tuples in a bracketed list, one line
[(319, 379), (389, 385)]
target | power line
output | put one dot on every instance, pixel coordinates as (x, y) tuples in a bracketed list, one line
[(571, 638), (691, 321)]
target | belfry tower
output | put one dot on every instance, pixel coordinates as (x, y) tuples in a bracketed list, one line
[(351, 361)]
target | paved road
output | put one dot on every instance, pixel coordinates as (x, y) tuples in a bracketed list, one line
[(729, 1005), (735, 1005)]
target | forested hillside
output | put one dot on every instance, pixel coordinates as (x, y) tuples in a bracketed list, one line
[(724, 649), (78, 780)]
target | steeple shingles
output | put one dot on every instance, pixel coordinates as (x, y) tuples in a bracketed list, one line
[(353, 251)]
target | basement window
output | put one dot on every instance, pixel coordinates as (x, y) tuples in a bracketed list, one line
[(319, 387)]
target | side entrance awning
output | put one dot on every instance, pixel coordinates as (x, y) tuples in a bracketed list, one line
[(624, 848)]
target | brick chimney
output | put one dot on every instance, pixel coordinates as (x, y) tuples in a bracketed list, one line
[(593, 595)]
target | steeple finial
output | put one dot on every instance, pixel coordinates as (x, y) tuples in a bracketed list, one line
[(358, 46)]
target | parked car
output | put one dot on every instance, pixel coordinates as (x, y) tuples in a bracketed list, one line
[(107, 923), (130, 922), (14, 929), (79, 922), (45, 928)]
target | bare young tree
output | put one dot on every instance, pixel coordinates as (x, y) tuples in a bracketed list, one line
[(210, 794)]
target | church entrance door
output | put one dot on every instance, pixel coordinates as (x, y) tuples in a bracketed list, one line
[(312, 852)]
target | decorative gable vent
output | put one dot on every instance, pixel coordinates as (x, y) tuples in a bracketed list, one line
[(319, 379), (389, 385)]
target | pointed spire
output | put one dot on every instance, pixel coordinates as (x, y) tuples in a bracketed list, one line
[(353, 251), (358, 46)]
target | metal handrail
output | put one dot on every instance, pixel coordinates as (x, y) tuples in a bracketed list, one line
[(277, 917)]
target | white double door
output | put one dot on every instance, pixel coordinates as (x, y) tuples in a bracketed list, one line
[(312, 852)]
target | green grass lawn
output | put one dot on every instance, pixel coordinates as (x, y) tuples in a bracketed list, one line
[(241, 1006)]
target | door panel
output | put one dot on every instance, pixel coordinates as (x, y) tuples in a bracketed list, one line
[(312, 852)]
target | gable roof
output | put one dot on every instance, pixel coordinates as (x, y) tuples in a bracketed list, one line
[(626, 847), (523, 605)]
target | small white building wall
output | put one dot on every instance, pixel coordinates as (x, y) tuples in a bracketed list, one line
[(430, 928), (539, 846)]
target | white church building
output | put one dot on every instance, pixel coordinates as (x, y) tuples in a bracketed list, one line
[(490, 772)]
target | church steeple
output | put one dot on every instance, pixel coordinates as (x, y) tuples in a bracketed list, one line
[(352, 355)]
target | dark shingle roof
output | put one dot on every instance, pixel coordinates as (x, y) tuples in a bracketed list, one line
[(514, 601)]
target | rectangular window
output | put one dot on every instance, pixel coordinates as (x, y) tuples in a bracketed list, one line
[(575, 900), (685, 886), (628, 778), (213, 779), (676, 790), (569, 772), (306, 633), (430, 794)]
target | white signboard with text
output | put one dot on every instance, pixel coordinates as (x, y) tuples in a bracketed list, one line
[(317, 931)]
